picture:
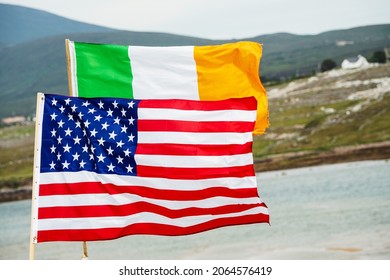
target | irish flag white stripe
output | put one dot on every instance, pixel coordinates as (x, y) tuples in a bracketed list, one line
[(159, 72)]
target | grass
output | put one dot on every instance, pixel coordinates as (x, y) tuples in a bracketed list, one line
[(16, 149)]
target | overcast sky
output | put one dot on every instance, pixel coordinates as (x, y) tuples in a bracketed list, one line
[(220, 19)]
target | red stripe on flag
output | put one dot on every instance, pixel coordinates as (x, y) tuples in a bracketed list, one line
[(193, 150), (62, 212), (195, 173), (145, 228), (180, 195), (194, 126), (248, 104)]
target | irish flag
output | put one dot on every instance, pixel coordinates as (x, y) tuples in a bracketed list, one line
[(207, 73)]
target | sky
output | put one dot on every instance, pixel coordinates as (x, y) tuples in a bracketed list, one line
[(219, 19)]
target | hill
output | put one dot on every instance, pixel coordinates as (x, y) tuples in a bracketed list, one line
[(20, 24), (34, 58), (287, 55)]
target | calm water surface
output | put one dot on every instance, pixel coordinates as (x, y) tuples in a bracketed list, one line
[(339, 211)]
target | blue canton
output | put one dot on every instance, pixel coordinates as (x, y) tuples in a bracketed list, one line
[(93, 134)]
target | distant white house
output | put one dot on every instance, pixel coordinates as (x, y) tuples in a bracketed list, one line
[(354, 62)]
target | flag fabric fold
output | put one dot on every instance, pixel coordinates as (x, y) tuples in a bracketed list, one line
[(186, 72), (111, 167)]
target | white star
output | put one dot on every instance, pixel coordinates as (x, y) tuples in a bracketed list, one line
[(131, 121), (115, 104), (70, 117), (101, 104), (62, 109), (52, 165), (76, 156), (53, 133), (90, 156), (112, 135), (124, 129), (85, 148), (129, 169), (110, 151), (68, 132), (74, 107), (123, 111), (53, 116), (119, 144), (117, 120), (81, 115), (60, 123), (67, 101), (98, 118), (101, 141), (93, 149), (93, 132), (101, 158), (109, 112), (131, 104), (127, 152), (119, 159), (111, 167), (131, 137), (53, 149), (92, 111), (86, 103), (59, 140), (76, 140), (65, 165), (54, 102), (82, 163), (78, 124), (87, 123), (105, 125), (58, 156), (67, 148)]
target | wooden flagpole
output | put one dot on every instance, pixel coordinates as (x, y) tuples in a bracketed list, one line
[(68, 66), (36, 170), (70, 85)]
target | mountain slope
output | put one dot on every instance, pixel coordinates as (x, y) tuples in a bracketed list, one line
[(19, 24), (33, 61), (288, 54)]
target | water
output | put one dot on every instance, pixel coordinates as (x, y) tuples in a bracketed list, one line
[(339, 211)]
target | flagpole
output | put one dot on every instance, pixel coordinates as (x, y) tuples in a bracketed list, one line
[(68, 65), (85, 251), (36, 170)]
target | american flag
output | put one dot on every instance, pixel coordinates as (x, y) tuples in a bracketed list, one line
[(111, 167)]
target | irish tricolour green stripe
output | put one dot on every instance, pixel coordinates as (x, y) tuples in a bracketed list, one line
[(106, 71)]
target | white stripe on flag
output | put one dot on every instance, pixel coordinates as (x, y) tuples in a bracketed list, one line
[(126, 198), (194, 138), (194, 161), (159, 72), (194, 115), (155, 183), (119, 222)]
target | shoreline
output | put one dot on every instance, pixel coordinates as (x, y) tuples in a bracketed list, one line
[(373, 151)]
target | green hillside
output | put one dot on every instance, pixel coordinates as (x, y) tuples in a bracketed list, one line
[(20, 24), (40, 65)]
